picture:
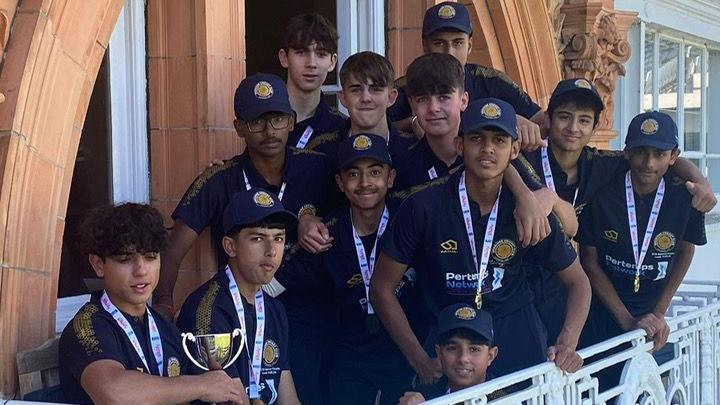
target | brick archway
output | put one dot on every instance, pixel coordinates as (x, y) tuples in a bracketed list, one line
[(50, 65)]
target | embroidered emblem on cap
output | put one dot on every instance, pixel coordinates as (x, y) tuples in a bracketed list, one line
[(649, 126), (263, 199), (173, 367), (446, 12), (465, 313), (491, 111), (271, 353), (263, 90), (504, 250), (664, 242), (362, 142), (583, 84)]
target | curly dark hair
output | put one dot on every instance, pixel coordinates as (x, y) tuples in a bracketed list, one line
[(127, 228)]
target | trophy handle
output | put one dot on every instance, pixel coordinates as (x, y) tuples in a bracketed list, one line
[(189, 336), (235, 333)]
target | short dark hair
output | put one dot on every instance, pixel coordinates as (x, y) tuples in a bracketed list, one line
[(368, 66), (574, 99), (304, 29), (434, 73), (463, 333), (127, 228)]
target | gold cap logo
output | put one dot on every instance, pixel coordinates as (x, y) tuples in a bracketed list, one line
[(664, 242), (446, 12), (649, 126), (491, 111), (465, 313), (583, 84), (504, 250), (263, 90), (362, 142), (263, 199)]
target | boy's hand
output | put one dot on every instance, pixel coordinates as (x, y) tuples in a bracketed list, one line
[(313, 235), (703, 197), (428, 369), (529, 134), (565, 358), (656, 328), (531, 222), (411, 398), (219, 387)]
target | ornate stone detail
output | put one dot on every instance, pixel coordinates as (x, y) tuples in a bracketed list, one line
[(641, 377)]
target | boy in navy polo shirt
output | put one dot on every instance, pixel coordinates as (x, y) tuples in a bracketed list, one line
[(117, 349), (438, 233), (309, 54), (574, 172), (256, 225), (447, 29), (637, 241), (366, 359), (465, 350)]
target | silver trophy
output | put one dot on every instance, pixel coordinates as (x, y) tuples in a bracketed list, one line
[(215, 351)]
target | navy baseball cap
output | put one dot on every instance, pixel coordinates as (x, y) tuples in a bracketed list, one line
[(446, 15), (653, 128), (580, 86), (259, 94), (463, 316), (361, 146), (489, 112), (252, 206)]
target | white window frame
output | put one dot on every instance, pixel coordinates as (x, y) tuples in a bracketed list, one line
[(361, 27), (130, 170)]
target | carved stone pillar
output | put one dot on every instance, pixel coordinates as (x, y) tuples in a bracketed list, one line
[(593, 44)]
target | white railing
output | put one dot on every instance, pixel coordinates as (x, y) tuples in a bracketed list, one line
[(689, 372)]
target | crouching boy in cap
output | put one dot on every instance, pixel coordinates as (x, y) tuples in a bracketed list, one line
[(465, 349), (117, 349), (255, 224)]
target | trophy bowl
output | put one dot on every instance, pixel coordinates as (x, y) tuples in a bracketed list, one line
[(216, 351)]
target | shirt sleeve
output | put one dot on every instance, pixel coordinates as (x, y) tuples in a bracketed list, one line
[(503, 87), (203, 202), (405, 233), (284, 360), (586, 228), (695, 229), (88, 339), (531, 177), (301, 269), (555, 252)]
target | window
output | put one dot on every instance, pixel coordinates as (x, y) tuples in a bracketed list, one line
[(681, 77)]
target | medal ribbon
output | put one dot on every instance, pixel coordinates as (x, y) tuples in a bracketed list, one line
[(367, 266), (155, 342), (547, 172), (304, 138), (632, 220), (480, 268), (432, 173), (248, 186), (255, 365)]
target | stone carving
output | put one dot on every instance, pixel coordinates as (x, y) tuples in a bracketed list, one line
[(597, 56), (641, 377)]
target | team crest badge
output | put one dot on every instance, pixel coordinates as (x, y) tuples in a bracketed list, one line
[(449, 246), (271, 353), (263, 199), (664, 242), (173, 367), (504, 250), (583, 84), (465, 313), (649, 126), (446, 12), (263, 90), (307, 209), (362, 142), (491, 111)]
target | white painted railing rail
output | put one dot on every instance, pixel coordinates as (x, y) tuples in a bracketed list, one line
[(688, 371)]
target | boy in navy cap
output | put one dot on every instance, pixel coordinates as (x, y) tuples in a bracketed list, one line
[(256, 225), (465, 350), (309, 53), (366, 359), (117, 349), (447, 29), (438, 233), (637, 241), (574, 171)]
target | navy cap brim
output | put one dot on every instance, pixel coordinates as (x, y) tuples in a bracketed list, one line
[(512, 132), (654, 143), (460, 324), (599, 106), (445, 26), (260, 108), (348, 162), (282, 215)]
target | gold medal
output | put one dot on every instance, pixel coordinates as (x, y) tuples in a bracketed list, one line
[(478, 299), (257, 401), (637, 283)]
